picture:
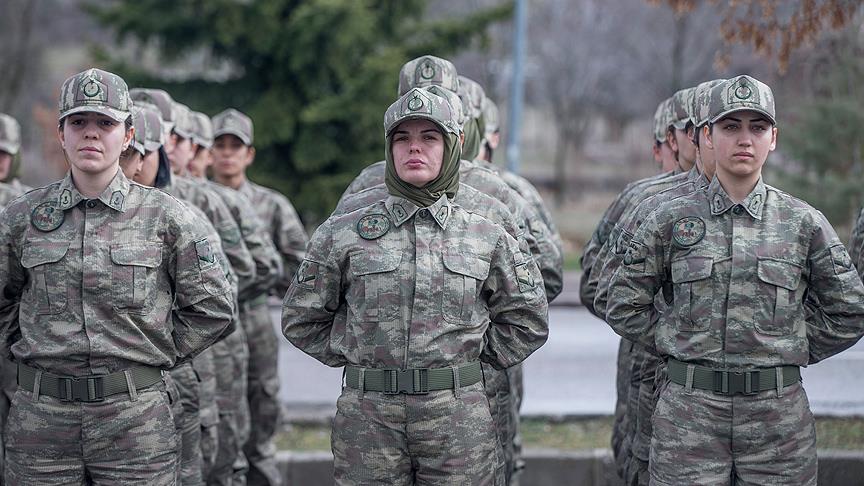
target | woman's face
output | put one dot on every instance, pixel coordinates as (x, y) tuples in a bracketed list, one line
[(180, 153), (131, 164), (146, 175), (741, 143), (418, 151), (5, 165), (93, 142)]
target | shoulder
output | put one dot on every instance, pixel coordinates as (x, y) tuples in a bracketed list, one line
[(481, 204), (362, 199), (790, 209), (273, 196)]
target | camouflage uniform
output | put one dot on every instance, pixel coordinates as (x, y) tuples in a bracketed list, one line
[(7, 369), (96, 239), (735, 331), (10, 142), (289, 237), (401, 249)]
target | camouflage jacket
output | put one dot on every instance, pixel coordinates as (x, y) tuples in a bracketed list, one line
[(856, 243), (256, 237), (96, 286), (634, 213), (220, 217), (739, 274), (7, 194), (604, 229), (286, 231), (424, 287), (543, 247)]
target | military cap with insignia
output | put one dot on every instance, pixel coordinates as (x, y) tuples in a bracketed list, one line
[(10, 134), (701, 102), (184, 123), (97, 91), (161, 100), (139, 122), (203, 134), (421, 103), (661, 120), (490, 116), (233, 122), (739, 94), (428, 71), (155, 136), (473, 94), (682, 102)]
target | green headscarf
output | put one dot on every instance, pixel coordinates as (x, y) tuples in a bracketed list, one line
[(475, 131), (447, 181)]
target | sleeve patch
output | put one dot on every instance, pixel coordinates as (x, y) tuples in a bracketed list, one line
[(205, 253), (636, 254), (842, 260), (524, 278), (307, 273)]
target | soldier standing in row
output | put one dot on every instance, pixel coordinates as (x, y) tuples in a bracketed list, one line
[(438, 275), (105, 283), (741, 258), (233, 153)]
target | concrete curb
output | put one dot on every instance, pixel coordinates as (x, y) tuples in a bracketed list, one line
[(551, 466)]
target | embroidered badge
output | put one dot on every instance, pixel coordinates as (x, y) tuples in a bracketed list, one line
[(117, 199), (415, 103), (688, 231), (92, 88), (205, 253), (399, 211), (65, 197), (636, 254), (47, 217), (373, 226), (524, 278), (427, 70)]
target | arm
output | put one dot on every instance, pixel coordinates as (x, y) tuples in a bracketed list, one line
[(290, 239), (312, 300), (12, 281)]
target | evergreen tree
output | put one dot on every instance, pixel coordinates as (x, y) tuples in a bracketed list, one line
[(315, 75)]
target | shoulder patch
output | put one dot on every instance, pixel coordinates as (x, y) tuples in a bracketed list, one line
[(636, 253), (47, 216), (307, 273), (688, 231), (524, 278), (204, 251), (373, 226)]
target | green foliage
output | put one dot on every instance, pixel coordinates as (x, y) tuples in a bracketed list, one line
[(316, 75)]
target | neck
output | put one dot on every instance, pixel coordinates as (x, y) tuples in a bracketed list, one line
[(738, 187), (232, 181), (685, 165), (92, 185)]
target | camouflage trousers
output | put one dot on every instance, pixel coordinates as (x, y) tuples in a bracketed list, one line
[(496, 385), (442, 438), (517, 391), (209, 409), (8, 387), (230, 357), (701, 438), (188, 425), (116, 441), (640, 411), (262, 393), (621, 428)]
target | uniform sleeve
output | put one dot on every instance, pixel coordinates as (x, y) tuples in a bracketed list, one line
[(856, 242), (290, 239), (203, 302), (630, 310), (256, 237), (312, 300), (837, 296), (12, 280), (518, 310), (611, 258), (235, 250), (546, 254), (591, 251)]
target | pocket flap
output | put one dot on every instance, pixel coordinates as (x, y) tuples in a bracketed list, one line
[(366, 262), (469, 265), (779, 273), (42, 253), (691, 269), (139, 255)]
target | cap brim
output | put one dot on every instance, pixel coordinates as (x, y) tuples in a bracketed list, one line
[(151, 146), (437, 123), (743, 108), (182, 133), (117, 115), (10, 148), (140, 148), (680, 124), (237, 133)]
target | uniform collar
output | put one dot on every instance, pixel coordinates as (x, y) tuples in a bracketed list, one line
[(114, 196), (693, 174), (402, 210), (721, 202)]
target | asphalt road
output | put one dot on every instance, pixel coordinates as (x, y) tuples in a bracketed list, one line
[(573, 374)]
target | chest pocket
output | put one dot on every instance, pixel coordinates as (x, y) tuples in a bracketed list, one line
[(462, 276), (776, 299), (374, 294), (693, 292), (49, 281), (133, 274)]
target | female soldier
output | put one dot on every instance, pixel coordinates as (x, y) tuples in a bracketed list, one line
[(741, 259), (104, 284), (421, 279)]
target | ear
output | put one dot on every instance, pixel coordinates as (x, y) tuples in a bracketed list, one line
[(707, 139), (130, 135), (250, 156), (61, 136), (773, 139), (461, 139), (670, 139), (655, 149)]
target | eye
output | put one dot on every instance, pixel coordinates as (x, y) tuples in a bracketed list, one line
[(759, 128), (730, 127)]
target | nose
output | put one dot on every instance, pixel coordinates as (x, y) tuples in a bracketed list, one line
[(90, 130)]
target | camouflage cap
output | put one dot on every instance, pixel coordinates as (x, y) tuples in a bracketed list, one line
[(701, 101), (455, 103), (203, 134), (428, 71), (98, 91), (738, 94), (139, 122), (10, 134), (235, 123), (490, 114), (184, 123), (161, 100), (682, 102), (155, 137), (422, 104), (661, 120), (475, 95)]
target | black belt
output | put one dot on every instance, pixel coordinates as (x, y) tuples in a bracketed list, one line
[(87, 388), (413, 381), (732, 382)]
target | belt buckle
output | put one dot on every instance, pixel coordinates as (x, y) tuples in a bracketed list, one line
[(89, 389), (736, 382), (409, 382)]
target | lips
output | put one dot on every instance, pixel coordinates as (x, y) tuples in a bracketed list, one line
[(90, 149), (743, 155), (414, 163)]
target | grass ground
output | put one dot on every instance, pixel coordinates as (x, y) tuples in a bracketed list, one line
[(575, 434)]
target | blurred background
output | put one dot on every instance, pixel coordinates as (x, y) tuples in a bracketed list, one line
[(317, 75)]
